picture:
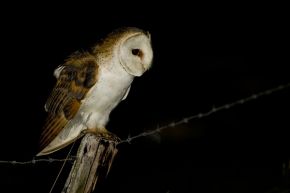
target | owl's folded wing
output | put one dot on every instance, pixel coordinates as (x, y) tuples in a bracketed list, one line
[(73, 83)]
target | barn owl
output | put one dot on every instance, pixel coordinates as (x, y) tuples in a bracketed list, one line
[(91, 84)]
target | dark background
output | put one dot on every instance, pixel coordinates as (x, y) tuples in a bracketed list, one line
[(204, 56)]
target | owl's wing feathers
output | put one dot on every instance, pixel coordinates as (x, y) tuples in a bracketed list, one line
[(73, 83)]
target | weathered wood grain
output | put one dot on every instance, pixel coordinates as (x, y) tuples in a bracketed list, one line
[(94, 158)]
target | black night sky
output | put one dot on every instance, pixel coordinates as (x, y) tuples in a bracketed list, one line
[(203, 57)]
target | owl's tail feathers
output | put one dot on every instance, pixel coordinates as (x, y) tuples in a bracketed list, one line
[(51, 149), (52, 127)]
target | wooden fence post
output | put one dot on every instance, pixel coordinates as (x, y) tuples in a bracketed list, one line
[(94, 158)]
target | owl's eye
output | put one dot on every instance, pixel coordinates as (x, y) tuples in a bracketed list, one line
[(137, 52)]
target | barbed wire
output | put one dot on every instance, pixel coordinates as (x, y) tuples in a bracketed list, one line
[(208, 113), (170, 125), (34, 161)]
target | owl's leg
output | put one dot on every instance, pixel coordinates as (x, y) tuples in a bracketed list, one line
[(102, 133)]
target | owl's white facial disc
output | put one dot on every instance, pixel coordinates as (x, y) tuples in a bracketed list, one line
[(135, 53)]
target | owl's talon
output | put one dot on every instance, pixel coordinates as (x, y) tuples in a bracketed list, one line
[(103, 134), (110, 136)]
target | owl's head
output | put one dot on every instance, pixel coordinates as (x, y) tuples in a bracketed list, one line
[(135, 52), (131, 47)]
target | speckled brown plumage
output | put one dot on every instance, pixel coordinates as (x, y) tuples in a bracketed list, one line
[(77, 77)]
